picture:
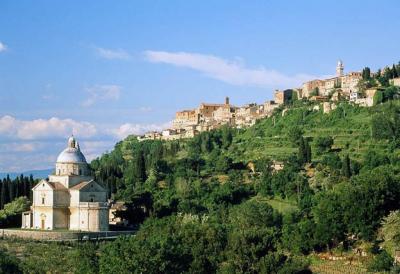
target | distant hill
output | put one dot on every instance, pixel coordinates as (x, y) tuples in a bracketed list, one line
[(37, 174)]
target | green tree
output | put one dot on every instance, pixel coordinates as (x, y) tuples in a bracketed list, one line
[(9, 264), (382, 262), (10, 215), (85, 256), (295, 135), (346, 169), (3, 199), (378, 97), (304, 153), (390, 231), (253, 234), (366, 73), (328, 216), (323, 144)]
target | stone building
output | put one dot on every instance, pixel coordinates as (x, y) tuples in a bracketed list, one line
[(206, 111), (312, 86), (224, 114), (395, 82), (282, 96), (69, 199), (347, 83), (268, 107), (185, 118)]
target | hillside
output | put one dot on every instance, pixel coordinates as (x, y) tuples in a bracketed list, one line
[(348, 125), (298, 192), (340, 177)]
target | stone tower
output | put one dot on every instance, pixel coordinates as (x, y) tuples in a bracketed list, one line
[(339, 68), (227, 100)]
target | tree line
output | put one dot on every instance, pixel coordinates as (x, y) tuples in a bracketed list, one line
[(18, 187)]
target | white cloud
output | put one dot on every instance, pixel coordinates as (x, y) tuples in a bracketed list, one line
[(127, 129), (19, 147), (112, 54), (3, 47), (44, 129), (35, 144), (101, 93), (231, 72)]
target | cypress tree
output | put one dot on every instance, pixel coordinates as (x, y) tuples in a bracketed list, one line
[(394, 72), (2, 194), (30, 186), (302, 154), (5, 194), (308, 151), (346, 171), (398, 69), (25, 186), (366, 73), (140, 167), (10, 188)]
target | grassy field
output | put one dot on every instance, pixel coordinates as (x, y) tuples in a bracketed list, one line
[(281, 205), (349, 264)]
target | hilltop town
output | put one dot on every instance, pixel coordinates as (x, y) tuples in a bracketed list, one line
[(356, 87)]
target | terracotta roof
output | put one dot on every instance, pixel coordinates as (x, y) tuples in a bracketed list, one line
[(212, 105), (57, 186), (81, 185)]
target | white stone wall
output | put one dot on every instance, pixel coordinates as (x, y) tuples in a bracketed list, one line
[(71, 169), (43, 195), (93, 218), (74, 219), (43, 218), (74, 202)]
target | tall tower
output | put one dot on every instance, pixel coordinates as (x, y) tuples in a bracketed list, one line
[(339, 68), (227, 100)]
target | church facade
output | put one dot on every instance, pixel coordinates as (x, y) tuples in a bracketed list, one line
[(70, 198)]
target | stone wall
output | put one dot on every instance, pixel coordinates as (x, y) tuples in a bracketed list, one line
[(60, 235)]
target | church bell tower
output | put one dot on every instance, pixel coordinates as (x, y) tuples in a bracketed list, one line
[(339, 68)]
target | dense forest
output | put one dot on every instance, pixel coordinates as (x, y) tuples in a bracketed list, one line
[(18, 187), (264, 199)]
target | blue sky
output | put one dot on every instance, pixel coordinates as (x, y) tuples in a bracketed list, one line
[(105, 69)]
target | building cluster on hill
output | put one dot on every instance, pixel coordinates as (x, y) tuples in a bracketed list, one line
[(205, 117), (342, 87)]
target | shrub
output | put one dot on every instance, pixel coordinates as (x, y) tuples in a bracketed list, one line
[(382, 262)]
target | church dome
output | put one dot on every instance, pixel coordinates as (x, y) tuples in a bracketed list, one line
[(72, 154)]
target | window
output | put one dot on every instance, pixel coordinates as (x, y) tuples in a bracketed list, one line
[(42, 200), (91, 200), (43, 185)]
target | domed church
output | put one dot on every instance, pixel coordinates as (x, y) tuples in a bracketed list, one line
[(69, 199)]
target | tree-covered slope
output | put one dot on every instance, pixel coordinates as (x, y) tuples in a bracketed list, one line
[(219, 192)]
